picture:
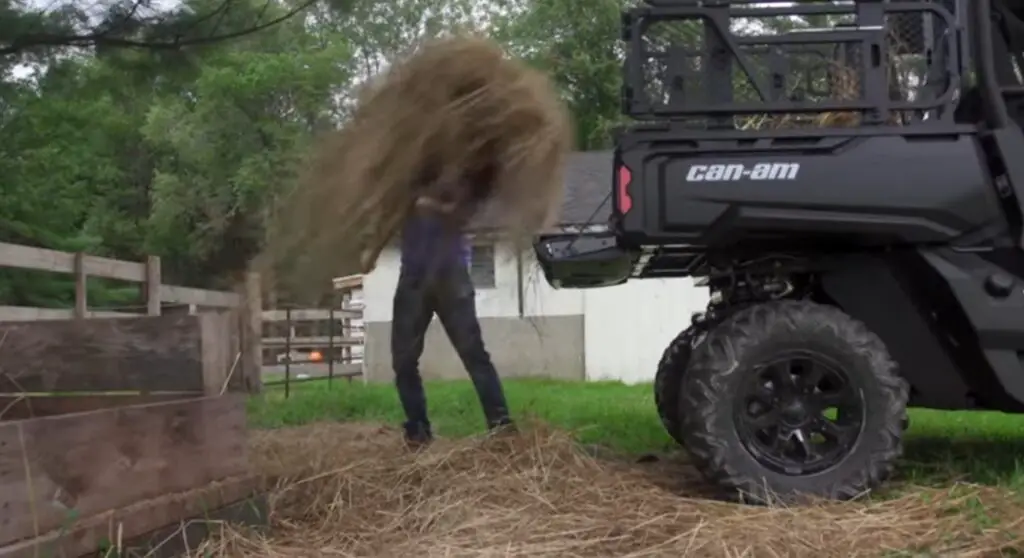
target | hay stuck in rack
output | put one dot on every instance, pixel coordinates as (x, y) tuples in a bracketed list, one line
[(843, 82), (457, 117)]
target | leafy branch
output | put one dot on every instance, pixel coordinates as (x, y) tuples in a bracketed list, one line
[(124, 26)]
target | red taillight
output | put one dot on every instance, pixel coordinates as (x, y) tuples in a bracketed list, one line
[(625, 201)]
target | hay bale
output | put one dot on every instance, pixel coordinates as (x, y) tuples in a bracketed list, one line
[(456, 119)]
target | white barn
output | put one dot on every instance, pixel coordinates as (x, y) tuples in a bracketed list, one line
[(531, 329)]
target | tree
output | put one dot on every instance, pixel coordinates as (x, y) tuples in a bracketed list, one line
[(230, 142), (582, 54), (61, 160), (125, 152), (28, 28)]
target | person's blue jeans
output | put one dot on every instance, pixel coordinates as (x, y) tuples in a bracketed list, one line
[(451, 296)]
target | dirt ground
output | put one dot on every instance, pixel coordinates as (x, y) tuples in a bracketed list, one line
[(353, 490)]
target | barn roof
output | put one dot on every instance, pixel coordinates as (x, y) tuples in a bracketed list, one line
[(588, 186)]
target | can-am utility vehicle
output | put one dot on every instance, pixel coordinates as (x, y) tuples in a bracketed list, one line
[(846, 178)]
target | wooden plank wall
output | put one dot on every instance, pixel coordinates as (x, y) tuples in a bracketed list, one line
[(171, 525), (118, 422), (148, 354), (62, 473)]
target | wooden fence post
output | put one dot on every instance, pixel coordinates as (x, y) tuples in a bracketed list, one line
[(217, 356), (346, 327), (81, 287), (152, 285), (252, 333)]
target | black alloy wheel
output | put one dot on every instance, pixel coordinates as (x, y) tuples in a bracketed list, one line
[(799, 414)]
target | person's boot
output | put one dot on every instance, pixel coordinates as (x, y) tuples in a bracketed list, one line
[(503, 426), (417, 435)]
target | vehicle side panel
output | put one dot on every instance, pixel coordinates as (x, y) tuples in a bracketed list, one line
[(857, 192)]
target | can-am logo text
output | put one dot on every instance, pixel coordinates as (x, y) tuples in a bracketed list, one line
[(733, 172)]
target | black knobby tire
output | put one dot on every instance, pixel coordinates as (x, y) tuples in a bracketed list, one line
[(668, 380), (730, 354)]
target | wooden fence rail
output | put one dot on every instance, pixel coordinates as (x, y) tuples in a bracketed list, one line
[(83, 266), (247, 303), (157, 298)]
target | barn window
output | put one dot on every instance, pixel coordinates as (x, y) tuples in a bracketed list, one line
[(481, 265)]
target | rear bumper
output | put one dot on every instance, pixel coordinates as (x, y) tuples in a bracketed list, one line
[(581, 261)]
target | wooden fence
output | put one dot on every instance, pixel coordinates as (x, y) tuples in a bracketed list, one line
[(267, 340), (246, 304), (134, 422)]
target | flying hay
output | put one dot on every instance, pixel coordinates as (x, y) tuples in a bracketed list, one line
[(457, 118)]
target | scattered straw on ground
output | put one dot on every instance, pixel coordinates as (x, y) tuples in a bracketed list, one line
[(352, 490)]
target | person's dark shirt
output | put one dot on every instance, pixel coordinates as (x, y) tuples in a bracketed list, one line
[(429, 246)]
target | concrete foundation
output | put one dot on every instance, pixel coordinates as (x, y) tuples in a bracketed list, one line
[(546, 347)]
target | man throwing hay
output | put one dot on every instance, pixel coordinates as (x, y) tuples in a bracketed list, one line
[(454, 127)]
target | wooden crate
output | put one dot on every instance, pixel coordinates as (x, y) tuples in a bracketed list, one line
[(144, 434)]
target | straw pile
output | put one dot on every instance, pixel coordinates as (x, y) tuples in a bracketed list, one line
[(353, 491), (456, 120)]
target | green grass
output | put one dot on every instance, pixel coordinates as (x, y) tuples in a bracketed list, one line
[(978, 447)]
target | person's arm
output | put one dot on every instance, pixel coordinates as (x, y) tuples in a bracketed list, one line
[(446, 197), (453, 201)]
